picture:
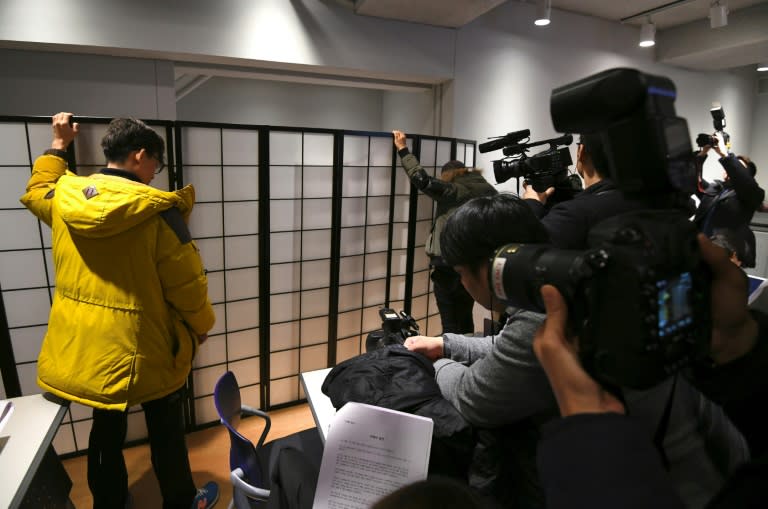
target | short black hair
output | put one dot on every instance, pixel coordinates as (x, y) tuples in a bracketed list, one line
[(482, 225), (124, 135), (595, 149)]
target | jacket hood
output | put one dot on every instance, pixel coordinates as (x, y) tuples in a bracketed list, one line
[(104, 205)]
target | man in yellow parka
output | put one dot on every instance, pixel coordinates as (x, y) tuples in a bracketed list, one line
[(130, 307)]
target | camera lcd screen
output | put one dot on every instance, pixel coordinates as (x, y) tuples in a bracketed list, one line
[(675, 302)]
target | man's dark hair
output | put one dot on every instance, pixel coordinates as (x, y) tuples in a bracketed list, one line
[(751, 167), (593, 145), (124, 135), (482, 225)]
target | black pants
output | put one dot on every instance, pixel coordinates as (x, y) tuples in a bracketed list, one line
[(107, 474), (453, 301)]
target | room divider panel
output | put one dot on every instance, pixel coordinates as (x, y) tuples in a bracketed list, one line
[(304, 233)]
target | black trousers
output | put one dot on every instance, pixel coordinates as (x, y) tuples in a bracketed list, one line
[(107, 474), (453, 301)]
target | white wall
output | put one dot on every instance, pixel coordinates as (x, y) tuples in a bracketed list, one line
[(506, 68), (759, 151), (40, 83), (280, 33), (246, 101), (411, 112)]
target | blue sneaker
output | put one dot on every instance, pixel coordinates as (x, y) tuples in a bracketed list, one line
[(207, 496)]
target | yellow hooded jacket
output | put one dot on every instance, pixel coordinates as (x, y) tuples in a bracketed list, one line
[(131, 294)]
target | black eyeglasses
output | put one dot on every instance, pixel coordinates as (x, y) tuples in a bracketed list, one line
[(160, 164)]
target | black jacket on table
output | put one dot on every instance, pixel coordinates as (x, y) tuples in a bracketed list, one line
[(730, 204), (569, 222), (604, 461)]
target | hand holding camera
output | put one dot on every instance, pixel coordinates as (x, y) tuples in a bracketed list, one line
[(734, 334)]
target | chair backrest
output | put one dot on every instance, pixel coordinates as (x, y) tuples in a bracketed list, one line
[(242, 453)]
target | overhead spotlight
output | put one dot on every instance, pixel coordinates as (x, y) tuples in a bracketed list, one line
[(647, 34), (762, 67), (718, 14), (543, 10)]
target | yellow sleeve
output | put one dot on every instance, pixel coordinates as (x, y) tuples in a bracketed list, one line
[(42, 184), (182, 276)]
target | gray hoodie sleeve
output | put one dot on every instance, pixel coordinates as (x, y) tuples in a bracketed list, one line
[(496, 380)]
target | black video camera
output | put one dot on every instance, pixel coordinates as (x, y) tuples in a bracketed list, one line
[(639, 296), (395, 328), (545, 169)]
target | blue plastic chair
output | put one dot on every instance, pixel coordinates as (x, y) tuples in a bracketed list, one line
[(248, 473)]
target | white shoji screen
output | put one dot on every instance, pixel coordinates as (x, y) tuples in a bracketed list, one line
[(223, 165), (223, 162), (433, 154), (365, 226), (301, 191)]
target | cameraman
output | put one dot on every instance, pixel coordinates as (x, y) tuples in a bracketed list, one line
[(729, 203), (569, 222), (599, 458), (456, 185)]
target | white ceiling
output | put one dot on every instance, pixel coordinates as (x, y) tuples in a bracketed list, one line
[(684, 36), (679, 14)]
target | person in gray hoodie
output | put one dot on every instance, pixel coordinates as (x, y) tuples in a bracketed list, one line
[(495, 381)]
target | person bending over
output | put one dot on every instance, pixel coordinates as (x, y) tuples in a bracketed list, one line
[(456, 185), (131, 305)]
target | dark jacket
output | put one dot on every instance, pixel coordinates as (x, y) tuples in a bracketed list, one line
[(396, 378), (730, 204), (448, 195), (569, 222), (604, 461)]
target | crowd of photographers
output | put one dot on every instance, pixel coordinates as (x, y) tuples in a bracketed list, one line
[(696, 437)]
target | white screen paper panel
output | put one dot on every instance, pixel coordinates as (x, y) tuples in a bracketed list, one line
[(301, 190), (223, 166)]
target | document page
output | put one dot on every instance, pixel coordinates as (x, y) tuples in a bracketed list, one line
[(371, 452)]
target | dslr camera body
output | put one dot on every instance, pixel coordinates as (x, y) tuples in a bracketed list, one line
[(639, 295), (718, 121), (395, 328)]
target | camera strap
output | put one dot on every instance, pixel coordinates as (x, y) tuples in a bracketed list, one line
[(661, 429)]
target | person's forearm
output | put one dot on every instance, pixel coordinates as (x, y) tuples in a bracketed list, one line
[(747, 189), (466, 348)]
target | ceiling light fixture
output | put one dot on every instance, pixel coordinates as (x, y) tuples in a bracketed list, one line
[(718, 14), (762, 67), (543, 11), (647, 34)]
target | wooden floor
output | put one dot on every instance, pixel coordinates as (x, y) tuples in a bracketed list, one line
[(208, 454)]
